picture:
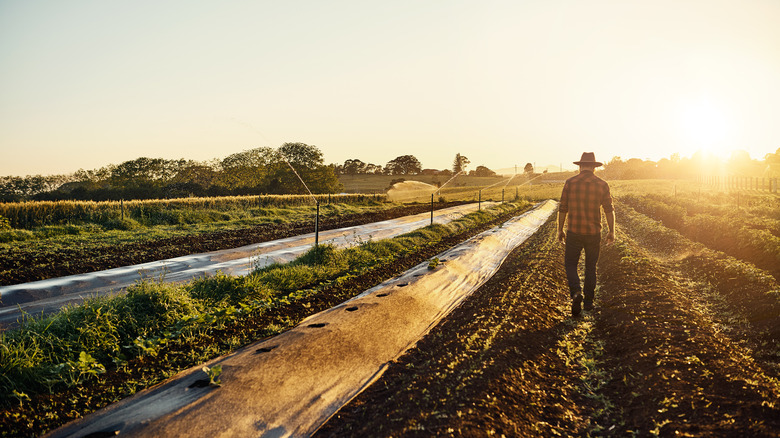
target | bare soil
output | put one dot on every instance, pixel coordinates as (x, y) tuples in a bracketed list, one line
[(655, 358)]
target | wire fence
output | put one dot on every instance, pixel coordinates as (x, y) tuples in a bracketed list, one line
[(737, 182)]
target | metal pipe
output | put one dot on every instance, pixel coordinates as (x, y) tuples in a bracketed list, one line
[(431, 208), (317, 226)]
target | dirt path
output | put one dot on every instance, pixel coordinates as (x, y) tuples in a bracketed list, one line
[(656, 358)]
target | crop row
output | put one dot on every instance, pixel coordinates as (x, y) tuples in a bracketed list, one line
[(747, 290), (688, 354), (167, 324), (27, 215), (747, 237)]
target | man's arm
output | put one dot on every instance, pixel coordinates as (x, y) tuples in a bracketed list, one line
[(563, 209), (611, 225), (561, 223)]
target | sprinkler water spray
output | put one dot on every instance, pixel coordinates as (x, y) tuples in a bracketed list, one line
[(317, 218), (439, 190)]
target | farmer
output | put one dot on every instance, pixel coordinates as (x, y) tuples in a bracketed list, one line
[(582, 198)]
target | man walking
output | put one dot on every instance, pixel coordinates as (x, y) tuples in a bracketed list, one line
[(582, 198)]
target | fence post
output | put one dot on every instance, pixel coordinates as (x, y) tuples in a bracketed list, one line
[(431, 208), (317, 226)]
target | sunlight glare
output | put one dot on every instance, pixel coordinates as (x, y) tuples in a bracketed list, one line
[(705, 126)]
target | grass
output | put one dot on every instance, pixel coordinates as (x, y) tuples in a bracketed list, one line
[(79, 343), (28, 215), (193, 222)]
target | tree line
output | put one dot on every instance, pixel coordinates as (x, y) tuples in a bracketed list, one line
[(262, 170), (700, 163), (265, 170)]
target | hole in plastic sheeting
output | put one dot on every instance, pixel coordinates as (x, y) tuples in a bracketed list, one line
[(102, 434), (200, 383), (265, 349), (402, 284), (351, 309), (384, 294), (318, 324)]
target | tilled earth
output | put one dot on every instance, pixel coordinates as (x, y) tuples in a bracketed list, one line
[(656, 357), (59, 262), (682, 343), (47, 411)]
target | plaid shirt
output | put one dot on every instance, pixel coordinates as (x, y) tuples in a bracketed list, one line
[(581, 198)]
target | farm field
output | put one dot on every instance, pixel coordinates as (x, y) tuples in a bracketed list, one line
[(684, 340), (56, 251), (109, 348)]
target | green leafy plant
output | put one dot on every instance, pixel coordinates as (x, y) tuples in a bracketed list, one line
[(72, 373), (213, 373)]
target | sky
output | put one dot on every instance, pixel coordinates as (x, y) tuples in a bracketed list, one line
[(85, 84)]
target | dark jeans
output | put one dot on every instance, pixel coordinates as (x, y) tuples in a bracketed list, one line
[(575, 243)]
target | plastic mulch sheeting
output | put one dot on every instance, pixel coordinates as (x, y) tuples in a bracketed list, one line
[(47, 296), (289, 385)]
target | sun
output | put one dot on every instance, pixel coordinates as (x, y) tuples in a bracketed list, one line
[(705, 126)]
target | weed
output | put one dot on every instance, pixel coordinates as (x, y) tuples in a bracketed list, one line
[(213, 374)]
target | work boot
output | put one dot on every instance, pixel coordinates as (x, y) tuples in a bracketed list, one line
[(588, 305), (576, 302)]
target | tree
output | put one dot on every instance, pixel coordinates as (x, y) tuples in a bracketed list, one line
[(201, 174), (529, 168), (403, 165), (308, 164), (483, 171), (373, 169), (145, 172), (772, 162), (301, 155), (257, 157), (460, 163), (247, 169), (354, 167)]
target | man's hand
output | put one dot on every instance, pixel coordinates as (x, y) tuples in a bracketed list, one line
[(610, 237), (561, 236)]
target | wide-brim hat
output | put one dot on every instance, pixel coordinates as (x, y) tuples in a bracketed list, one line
[(589, 158)]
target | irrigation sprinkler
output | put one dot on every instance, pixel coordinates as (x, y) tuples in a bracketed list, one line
[(439, 190), (317, 202), (448, 181), (479, 204)]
